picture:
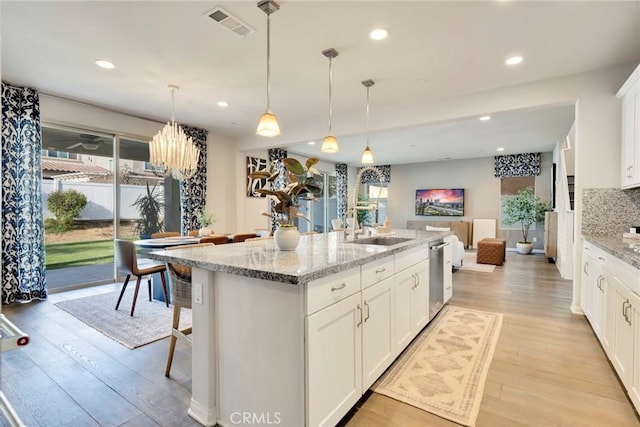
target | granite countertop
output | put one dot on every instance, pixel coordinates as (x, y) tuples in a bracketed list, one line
[(316, 256), (616, 246)]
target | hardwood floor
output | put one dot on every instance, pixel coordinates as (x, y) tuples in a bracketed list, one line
[(548, 368)]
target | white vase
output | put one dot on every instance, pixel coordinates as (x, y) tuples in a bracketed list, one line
[(524, 248), (205, 231), (286, 238)]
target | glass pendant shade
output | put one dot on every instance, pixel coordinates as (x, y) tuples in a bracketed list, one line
[(172, 150), (268, 125), (329, 144), (367, 156)]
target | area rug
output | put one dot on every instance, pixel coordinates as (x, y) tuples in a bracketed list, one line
[(444, 370), (151, 321), (469, 263)]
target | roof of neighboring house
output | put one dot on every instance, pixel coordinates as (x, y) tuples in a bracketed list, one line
[(71, 167)]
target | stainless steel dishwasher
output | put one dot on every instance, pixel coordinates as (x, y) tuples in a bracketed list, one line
[(436, 276)]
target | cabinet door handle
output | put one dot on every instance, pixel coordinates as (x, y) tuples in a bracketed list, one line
[(624, 309), (585, 268), (601, 259), (367, 316), (360, 322), (413, 277), (382, 270), (337, 288)]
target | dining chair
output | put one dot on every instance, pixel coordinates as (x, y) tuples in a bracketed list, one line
[(128, 263), (263, 232), (180, 277), (162, 234), (241, 237), (194, 233), (216, 239)]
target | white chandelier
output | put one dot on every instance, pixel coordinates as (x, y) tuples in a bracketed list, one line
[(172, 150)]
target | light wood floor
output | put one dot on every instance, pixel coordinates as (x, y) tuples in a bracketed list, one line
[(548, 368)]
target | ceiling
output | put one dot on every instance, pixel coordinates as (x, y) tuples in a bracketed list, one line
[(435, 51)]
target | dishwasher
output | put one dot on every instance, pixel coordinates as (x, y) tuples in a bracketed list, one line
[(436, 276)]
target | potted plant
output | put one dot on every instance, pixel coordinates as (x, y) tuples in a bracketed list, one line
[(206, 219), (150, 208), (298, 185), (527, 209)]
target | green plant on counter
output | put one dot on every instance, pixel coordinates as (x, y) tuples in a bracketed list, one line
[(299, 184), (525, 208), (206, 218)]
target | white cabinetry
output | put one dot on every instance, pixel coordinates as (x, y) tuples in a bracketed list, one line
[(412, 303), (630, 165), (611, 302), (334, 361)]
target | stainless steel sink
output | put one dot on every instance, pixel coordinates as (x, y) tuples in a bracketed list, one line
[(384, 241)]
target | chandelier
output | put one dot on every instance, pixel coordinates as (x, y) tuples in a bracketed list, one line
[(172, 150)]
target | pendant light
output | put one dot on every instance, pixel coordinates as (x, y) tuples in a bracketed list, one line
[(330, 143), (367, 155), (268, 123), (172, 150)]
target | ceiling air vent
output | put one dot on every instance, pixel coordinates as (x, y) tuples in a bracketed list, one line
[(230, 22)]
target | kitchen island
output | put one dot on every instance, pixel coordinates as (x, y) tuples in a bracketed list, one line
[(295, 338)]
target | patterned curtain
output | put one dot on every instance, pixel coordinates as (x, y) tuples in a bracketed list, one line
[(23, 261), (277, 155), (341, 184), (527, 164), (370, 177), (193, 191)]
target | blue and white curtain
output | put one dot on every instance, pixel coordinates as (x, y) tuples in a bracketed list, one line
[(527, 164), (341, 189), (193, 191), (370, 177), (277, 155), (23, 260)]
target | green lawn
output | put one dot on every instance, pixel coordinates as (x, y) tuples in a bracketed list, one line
[(64, 255)]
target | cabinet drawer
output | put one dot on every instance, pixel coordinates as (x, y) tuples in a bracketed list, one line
[(328, 290), (376, 271), (411, 257)]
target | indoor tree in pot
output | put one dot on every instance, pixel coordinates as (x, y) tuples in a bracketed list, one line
[(299, 185), (527, 209)]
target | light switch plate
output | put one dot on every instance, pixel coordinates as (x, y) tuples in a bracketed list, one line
[(197, 293)]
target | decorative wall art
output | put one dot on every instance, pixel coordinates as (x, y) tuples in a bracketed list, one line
[(255, 164)]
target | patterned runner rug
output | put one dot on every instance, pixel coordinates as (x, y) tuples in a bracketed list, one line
[(444, 370), (151, 321)]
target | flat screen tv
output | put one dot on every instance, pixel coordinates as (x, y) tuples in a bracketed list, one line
[(440, 202)]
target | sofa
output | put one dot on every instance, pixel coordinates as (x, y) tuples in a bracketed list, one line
[(462, 229)]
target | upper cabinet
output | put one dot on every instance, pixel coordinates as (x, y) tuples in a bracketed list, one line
[(630, 95)]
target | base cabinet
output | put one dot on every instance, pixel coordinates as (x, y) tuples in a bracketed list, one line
[(334, 361), (611, 304), (411, 304)]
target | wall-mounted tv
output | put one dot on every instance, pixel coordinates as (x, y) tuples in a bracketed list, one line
[(440, 202)]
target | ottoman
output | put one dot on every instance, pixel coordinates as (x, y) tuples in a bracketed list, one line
[(491, 251)]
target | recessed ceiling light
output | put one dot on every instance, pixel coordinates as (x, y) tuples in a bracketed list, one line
[(514, 60), (500, 149), (103, 63), (311, 143), (222, 104), (485, 118), (378, 34)]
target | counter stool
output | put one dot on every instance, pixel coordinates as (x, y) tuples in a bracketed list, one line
[(491, 251)]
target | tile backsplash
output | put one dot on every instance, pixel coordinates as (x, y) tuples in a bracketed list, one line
[(610, 210)]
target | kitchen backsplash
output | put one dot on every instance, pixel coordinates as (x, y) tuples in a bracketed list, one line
[(610, 210)]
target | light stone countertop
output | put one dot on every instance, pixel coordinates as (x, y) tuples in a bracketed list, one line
[(616, 246), (316, 256)]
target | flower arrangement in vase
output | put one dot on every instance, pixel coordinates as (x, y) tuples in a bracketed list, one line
[(206, 219), (298, 184)]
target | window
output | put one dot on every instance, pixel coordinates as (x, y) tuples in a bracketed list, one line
[(59, 154)]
